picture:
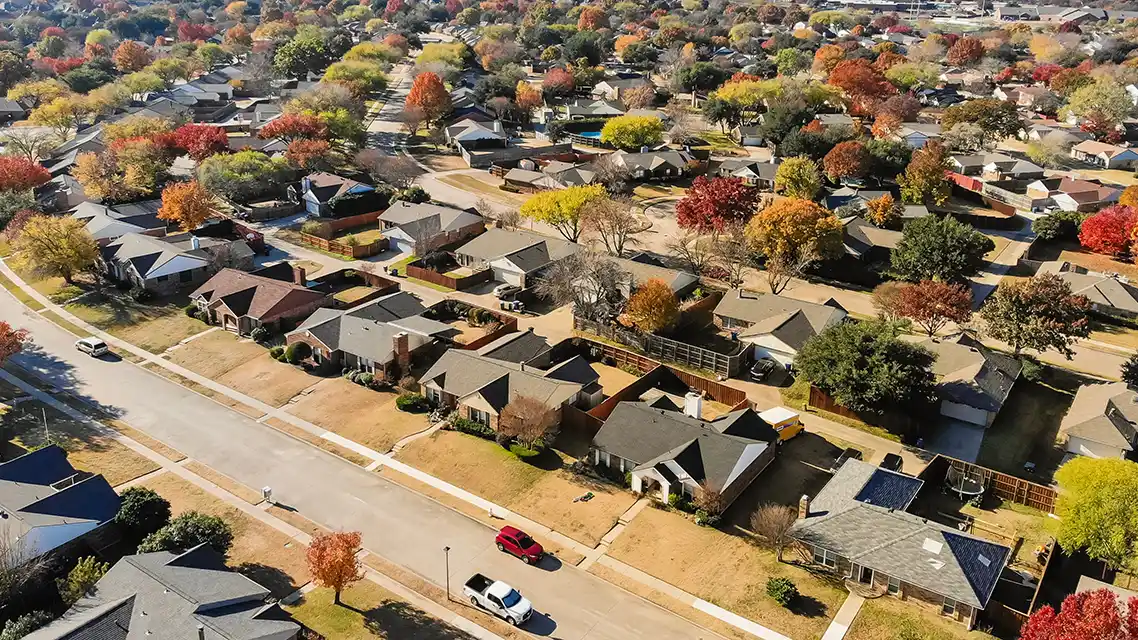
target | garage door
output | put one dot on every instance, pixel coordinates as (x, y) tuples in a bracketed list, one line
[(964, 412), (509, 277), (402, 246)]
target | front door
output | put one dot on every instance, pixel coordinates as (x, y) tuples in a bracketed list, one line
[(865, 575)]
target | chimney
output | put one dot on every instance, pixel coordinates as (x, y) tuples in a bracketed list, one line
[(803, 506), (693, 405), (401, 347), (299, 276), (497, 126), (195, 243)]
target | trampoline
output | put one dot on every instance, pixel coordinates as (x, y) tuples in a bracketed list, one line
[(968, 485)]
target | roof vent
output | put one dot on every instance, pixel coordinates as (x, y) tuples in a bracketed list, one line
[(984, 561), (932, 546), (935, 564)]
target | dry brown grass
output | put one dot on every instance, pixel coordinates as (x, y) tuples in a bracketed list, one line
[(259, 551), (565, 554), (225, 482), (215, 353), (330, 447), (267, 380), (613, 379), (486, 469), (890, 618), (295, 519), (154, 326), (86, 448), (362, 415), (726, 570), (203, 390)]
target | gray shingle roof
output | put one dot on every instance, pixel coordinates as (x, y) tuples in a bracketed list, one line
[(463, 373), (367, 331), (1103, 413), (522, 248), (792, 321), (969, 373), (518, 347), (899, 544), (437, 219)]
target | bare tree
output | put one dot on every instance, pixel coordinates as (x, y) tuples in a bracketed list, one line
[(613, 221), (527, 420), (733, 253), (684, 124), (20, 566), (615, 177), (507, 217), (412, 118), (398, 171), (780, 271), (32, 143), (693, 249), (708, 499), (772, 523), (593, 283)]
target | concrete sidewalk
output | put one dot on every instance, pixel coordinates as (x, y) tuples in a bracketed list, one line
[(841, 623)]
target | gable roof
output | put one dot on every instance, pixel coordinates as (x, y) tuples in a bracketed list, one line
[(325, 186), (642, 272), (969, 373), (1103, 413), (860, 236), (709, 452), (518, 347), (169, 596), (856, 515), (430, 218), (154, 257), (792, 321), (464, 374), (367, 331), (255, 296), (528, 251), (1096, 148)]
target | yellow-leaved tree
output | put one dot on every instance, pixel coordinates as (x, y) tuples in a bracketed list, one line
[(56, 246), (792, 234), (653, 306), (562, 209)]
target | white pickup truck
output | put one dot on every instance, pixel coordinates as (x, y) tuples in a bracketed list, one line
[(498, 598)]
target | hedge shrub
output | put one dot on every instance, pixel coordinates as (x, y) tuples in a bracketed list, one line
[(297, 352), (276, 352), (472, 428), (412, 403), (782, 591)]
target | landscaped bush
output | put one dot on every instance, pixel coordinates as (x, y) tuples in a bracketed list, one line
[(478, 317), (260, 334), (412, 402), (705, 519), (351, 241), (366, 379), (1062, 225), (191, 310), (473, 428), (782, 591), (297, 352), (1032, 371), (139, 294), (522, 452), (409, 383), (276, 352)]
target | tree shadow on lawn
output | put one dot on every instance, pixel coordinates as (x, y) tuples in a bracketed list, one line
[(395, 619), (122, 310), (808, 606)]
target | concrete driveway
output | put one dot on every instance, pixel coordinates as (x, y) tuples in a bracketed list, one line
[(401, 525)]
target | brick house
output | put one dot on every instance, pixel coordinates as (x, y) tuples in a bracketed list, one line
[(165, 265), (240, 302), (859, 528), (479, 387), (407, 225)]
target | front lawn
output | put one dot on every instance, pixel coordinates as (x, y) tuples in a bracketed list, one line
[(155, 325), (369, 611), (727, 570), (486, 469), (888, 617), (1027, 426), (215, 353), (87, 449), (268, 380), (261, 552), (359, 414)]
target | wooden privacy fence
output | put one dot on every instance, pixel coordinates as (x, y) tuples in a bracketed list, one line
[(670, 350), (458, 283), (902, 425), (352, 251), (1001, 485)]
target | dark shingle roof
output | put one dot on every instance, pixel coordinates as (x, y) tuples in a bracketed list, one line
[(518, 347)]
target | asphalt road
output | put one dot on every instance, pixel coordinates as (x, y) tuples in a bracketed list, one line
[(396, 523)]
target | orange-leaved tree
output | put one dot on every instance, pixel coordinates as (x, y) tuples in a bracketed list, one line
[(653, 306), (333, 562), (186, 203), (429, 94)]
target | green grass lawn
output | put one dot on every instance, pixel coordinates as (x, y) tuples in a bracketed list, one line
[(368, 611), (1026, 428)]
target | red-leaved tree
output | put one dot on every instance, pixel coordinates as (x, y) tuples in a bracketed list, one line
[(12, 340), (201, 140), (933, 304), (1044, 72), (1090, 615), (21, 174), (848, 159), (715, 204), (1109, 230), (966, 51), (190, 32), (429, 94), (557, 83), (864, 84), (295, 126), (333, 562)]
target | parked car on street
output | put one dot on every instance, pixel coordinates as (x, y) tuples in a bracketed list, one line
[(762, 369), (93, 347), (849, 452), (498, 598), (517, 542)]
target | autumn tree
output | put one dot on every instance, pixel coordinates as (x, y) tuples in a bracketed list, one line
[(847, 159), (527, 98), (557, 83), (1087, 615), (62, 114), (711, 205), (792, 234), (562, 209), (965, 52), (528, 421), (201, 140), (21, 174), (429, 94), (932, 304), (883, 211), (613, 221), (56, 246), (295, 126), (1096, 508), (653, 306), (12, 340), (1039, 313), (865, 85), (886, 299), (939, 248), (798, 178), (131, 56), (186, 203), (1101, 105), (996, 118), (632, 132), (1110, 231), (925, 180), (826, 58), (333, 560), (1129, 196), (36, 92)]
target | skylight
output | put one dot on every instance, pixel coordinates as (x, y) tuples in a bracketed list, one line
[(932, 546)]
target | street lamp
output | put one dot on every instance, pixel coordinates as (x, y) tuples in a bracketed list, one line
[(446, 561)]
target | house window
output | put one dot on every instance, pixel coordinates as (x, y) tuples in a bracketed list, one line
[(894, 586), (186, 276), (434, 396), (949, 607), (163, 278), (316, 356), (825, 557), (479, 416)]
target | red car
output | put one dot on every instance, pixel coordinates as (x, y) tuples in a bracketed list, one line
[(517, 542)]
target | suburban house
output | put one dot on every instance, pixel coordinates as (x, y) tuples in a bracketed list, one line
[(995, 166), (520, 347), (240, 301), (777, 327), (105, 223), (615, 88), (1071, 194), (1107, 156), (1109, 294), (827, 120), (854, 197), (858, 527), (163, 265), (751, 172), (382, 336), (973, 381), (173, 594), (515, 256), (641, 269), (866, 241), (916, 134), (331, 196), (1101, 422), (407, 225), (581, 109), (47, 503), (252, 118), (664, 164), (472, 134), (480, 387), (669, 452)]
